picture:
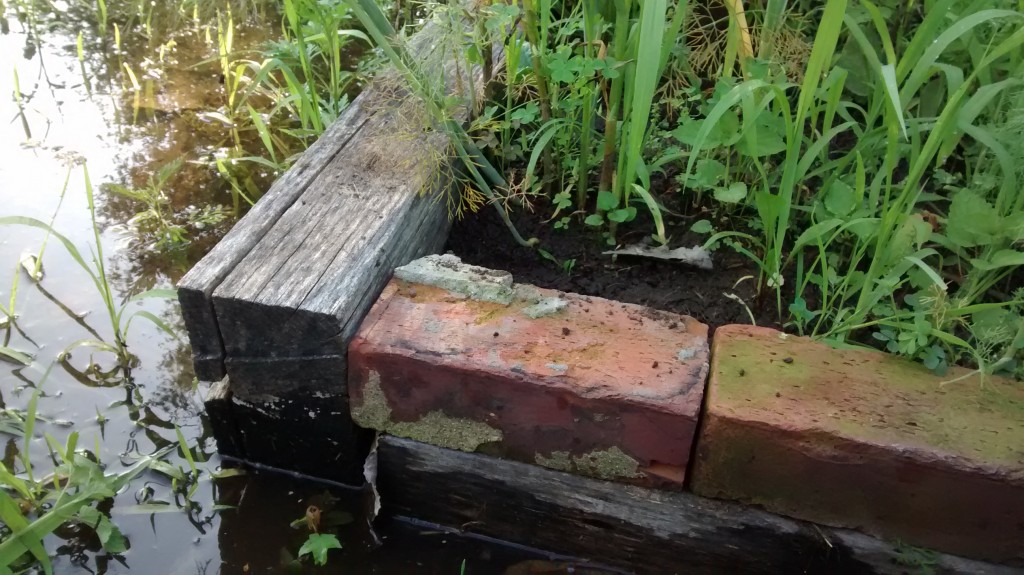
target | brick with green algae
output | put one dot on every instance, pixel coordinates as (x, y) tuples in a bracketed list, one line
[(598, 381), (863, 439)]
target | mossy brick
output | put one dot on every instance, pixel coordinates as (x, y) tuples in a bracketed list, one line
[(862, 439), (590, 386)]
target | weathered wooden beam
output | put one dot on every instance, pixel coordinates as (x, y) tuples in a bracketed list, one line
[(641, 530), (196, 288), (274, 305), (278, 252)]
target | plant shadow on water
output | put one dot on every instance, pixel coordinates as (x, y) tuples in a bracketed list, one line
[(139, 96)]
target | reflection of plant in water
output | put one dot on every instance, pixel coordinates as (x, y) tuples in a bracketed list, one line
[(157, 221), (120, 322)]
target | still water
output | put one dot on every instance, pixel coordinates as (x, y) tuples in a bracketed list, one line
[(122, 105)]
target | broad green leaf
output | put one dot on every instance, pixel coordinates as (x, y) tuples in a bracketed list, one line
[(840, 198), (708, 174), (594, 220), (110, 536), (622, 215), (972, 220), (702, 227), (1001, 259), (767, 137), (799, 310), (734, 194), (606, 201)]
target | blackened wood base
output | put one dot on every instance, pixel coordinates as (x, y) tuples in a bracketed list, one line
[(637, 529)]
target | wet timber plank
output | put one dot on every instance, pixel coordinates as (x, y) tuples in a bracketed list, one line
[(633, 528)]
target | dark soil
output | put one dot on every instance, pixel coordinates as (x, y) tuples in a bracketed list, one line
[(482, 239)]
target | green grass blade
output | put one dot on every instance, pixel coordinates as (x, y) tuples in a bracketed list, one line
[(158, 293), (15, 355), (159, 323), (655, 210), (68, 245), (923, 68), (645, 83), (262, 131), (185, 451), (539, 143), (19, 526)]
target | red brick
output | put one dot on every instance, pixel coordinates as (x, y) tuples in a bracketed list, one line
[(862, 439), (600, 388)]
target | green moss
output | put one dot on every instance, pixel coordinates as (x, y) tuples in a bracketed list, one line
[(870, 396), (435, 428)]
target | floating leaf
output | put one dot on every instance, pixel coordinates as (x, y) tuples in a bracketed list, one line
[(32, 266), (317, 545)]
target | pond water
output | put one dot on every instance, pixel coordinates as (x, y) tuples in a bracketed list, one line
[(122, 105)]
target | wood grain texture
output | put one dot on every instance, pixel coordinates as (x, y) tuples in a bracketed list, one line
[(196, 287), (291, 276), (641, 530)]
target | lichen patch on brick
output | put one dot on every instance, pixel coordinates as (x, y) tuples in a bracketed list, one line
[(546, 307), (448, 272), (559, 460), (435, 428), (611, 463), (558, 367)]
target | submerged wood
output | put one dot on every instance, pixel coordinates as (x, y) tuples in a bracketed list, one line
[(637, 529)]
